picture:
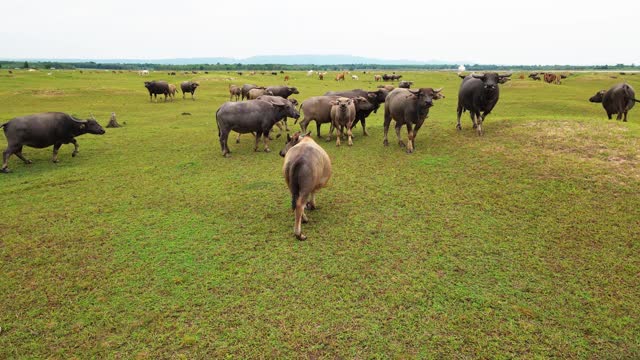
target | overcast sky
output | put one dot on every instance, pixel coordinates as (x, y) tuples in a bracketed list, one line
[(487, 31)]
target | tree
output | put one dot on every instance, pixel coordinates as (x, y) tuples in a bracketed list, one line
[(25, 65)]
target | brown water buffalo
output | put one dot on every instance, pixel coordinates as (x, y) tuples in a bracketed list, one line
[(321, 76), (43, 130), (318, 108), (617, 100), (157, 87), (377, 77), (552, 78), (478, 94), (343, 113), (253, 116), (256, 92), (405, 84), (189, 87), (245, 90), (386, 87), (172, 91), (234, 91), (306, 169), (362, 111), (411, 108)]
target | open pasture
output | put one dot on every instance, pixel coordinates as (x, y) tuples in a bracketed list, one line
[(149, 244)]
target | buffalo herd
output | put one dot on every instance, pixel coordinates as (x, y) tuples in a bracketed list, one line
[(307, 167)]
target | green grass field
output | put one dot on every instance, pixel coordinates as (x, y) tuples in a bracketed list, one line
[(523, 243)]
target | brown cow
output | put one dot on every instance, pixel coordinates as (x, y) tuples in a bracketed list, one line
[(377, 78), (234, 91), (552, 78), (340, 76), (321, 76), (306, 169), (386, 87), (286, 78)]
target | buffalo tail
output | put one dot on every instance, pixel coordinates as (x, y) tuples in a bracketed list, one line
[(294, 182)]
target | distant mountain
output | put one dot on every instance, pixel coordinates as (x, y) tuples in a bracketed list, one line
[(262, 59)]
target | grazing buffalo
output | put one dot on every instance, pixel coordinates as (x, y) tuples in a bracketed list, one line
[(392, 77), (617, 100), (405, 84), (307, 169), (275, 99), (172, 91), (343, 113), (274, 73), (552, 78), (234, 91), (256, 92), (363, 111), (478, 93), (283, 91), (43, 130), (157, 87), (387, 87), (410, 108), (245, 90), (189, 87), (253, 116), (318, 108)]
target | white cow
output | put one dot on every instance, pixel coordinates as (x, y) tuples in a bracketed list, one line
[(354, 77), (310, 72), (143, 72)]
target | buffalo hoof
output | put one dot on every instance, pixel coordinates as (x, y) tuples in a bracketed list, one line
[(328, 139), (28, 162), (55, 161), (409, 151), (365, 133), (310, 206), (73, 154), (278, 136), (402, 144), (237, 141), (5, 170), (267, 150), (227, 155), (475, 126), (385, 143), (458, 127), (301, 237)]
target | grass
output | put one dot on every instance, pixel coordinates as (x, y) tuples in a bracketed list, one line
[(521, 243)]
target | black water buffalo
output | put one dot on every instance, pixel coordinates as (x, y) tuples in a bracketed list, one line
[(189, 87), (245, 90), (43, 130), (410, 108), (253, 116), (405, 84), (318, 108), (282, 91), (479, 94), (362, 110), (617, 100), (157, 87)]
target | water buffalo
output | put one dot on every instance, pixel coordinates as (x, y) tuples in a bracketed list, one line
[(256, 92), (306, 169), (362, 112), (343, 113), (405, 84), (410, 108), (157, 87), (318, 108), (245, 90), (189, 87), (617, 100), (43, 130), (253, 116), (283, 91), (234, 91), (478, 93), (172, 91)]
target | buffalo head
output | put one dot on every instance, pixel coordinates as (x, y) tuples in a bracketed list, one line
[(491, 80), (598, 97)]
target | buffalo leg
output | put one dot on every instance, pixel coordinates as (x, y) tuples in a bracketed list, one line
[(364, 127), (11, 149), (409, 138), (238, 139), (609, 115), (317, 128), (459, 111), (183, 95), (265, 139), (75, 149), (398, 128), (479, 122), (619, 117), (56, 147), (625, 116), (297, 228), (224, 136), (193, 96), (311, 204), (255, 148), (349, 136), (387, 122), (338, 133), (415, 135), (19, 154)]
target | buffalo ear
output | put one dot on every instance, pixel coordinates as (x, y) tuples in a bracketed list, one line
[(308, 133), (333, 102)]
